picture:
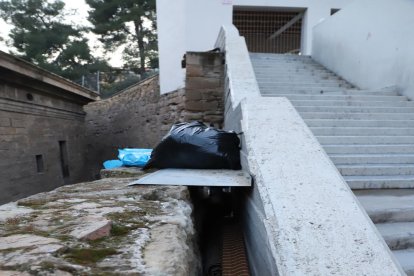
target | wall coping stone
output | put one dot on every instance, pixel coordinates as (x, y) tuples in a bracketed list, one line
[(32, 71)]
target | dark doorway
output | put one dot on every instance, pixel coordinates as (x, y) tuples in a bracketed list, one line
[(64, 161)]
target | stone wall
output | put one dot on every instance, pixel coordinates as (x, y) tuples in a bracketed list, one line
[(42, 143), (139, 116)]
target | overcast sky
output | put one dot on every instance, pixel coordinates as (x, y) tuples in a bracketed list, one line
[(79, 18)]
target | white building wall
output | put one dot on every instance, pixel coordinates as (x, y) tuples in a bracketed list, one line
[(370, 43), (171, 23), (193, 25)]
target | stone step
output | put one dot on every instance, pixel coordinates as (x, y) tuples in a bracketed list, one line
[(304, 74), (366, 140), (283, 56), (275, 59), (369, 148), (276, 83), (335, 97), (357, 116), (309, 92), (294, 69), (380, 181), (280, 64), (324, 87), (371, 158), (397, 235), (353, 103), (283, 68), (294, 60), (388, 205), (292, 79), (376, 169), (362, 131), (359, 123), (406, 259), (351, 109)]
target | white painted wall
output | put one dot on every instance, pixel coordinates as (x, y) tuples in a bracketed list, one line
[(171, 21), (370, 43), (193, 25)]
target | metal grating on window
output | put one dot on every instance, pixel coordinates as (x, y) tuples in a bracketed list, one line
[(270, 31)]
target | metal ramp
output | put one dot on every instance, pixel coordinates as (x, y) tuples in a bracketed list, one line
[(191, 177)]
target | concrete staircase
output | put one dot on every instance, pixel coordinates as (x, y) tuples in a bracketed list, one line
[(368, 134)]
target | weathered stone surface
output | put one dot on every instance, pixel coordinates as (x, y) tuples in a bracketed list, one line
[(11, 211), (122, 172), (100, 228), (92, 228), (24, 240), (13, 273)]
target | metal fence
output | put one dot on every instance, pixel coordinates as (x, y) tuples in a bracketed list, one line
[(110, 83), (270, 31)]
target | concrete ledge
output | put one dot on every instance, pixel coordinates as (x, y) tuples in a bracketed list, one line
[(314, 223)]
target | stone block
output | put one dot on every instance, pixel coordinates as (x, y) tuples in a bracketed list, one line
[(122, 172), (204, 58), (92, 228), (5, 122), (200, 105), (25, 241), (7, 131), (213, 118), (193, 116), (13, 273), (19, 122), (194, 95), (209, 71), (203, 83)]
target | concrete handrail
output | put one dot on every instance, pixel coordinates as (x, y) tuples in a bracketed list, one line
[(301, 218), (240, 76)]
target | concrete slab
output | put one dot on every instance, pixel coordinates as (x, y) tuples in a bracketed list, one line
[(190, 177)]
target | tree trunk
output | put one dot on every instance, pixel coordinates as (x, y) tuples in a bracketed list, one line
[(140, 39)]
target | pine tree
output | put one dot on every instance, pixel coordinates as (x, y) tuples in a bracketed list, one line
[(130, 24), (41, 35)]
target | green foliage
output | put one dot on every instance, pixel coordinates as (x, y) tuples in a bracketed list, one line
[(87, 256), (41, 36), (127, 23)]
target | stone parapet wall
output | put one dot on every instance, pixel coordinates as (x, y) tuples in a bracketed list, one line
[(100, 228), (139, 116)]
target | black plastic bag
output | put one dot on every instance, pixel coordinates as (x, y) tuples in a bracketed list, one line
[(196, 146)]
